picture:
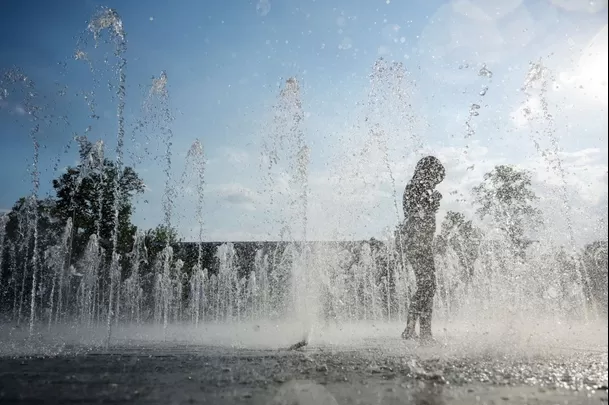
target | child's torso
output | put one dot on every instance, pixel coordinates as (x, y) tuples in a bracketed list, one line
[(419, 216)]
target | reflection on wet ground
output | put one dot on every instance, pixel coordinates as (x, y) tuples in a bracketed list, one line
[(167, 373)]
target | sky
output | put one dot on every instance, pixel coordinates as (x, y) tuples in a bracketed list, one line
[(226, 63)]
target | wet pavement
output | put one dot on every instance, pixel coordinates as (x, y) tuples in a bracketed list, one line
[(370, 374)]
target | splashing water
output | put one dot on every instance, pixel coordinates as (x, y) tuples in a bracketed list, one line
[(287, 155), (159, 85), (386, 83), (158, 105), (3, 223), (297, 279), (474, 109), (390, 90), (32, 112), (167, 133), (535, 87), (263, 7), (196, 158), (168, 275), (484, 71), (108, 20), (285, 151), (195, 164)]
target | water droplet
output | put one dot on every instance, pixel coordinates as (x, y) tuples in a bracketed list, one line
[(483, 91), (107, 19), (80, 55), (485, 72), (263, 7)]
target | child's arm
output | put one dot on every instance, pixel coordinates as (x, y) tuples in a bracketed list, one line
[(409, 199), (435, 199), (425, 200)]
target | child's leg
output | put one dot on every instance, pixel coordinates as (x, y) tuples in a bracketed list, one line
[(427, 285), (414, 312), (417, 300)]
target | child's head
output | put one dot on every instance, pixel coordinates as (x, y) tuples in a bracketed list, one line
[(429, 170)]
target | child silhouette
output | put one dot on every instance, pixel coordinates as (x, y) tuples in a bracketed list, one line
[(421, 203)]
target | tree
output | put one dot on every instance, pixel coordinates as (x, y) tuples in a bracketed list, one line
[(463, 238), (18, 221), (86, 194), (158, 238), (19, 233), (595, 275), (506, 196)]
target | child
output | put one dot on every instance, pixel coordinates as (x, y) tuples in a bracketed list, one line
[(421, 203)]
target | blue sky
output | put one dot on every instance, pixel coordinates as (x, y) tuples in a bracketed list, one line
[(226, 61)]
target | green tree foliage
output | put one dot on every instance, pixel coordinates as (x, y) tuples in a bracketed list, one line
[(19, 234), (463, 238), (86, 194), (158, 238), (506, 196), (595, 277), (22, 214)]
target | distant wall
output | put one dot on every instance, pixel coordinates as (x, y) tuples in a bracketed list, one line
[(246, 252)]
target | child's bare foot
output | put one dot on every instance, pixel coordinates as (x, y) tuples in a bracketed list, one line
[(409, 335)]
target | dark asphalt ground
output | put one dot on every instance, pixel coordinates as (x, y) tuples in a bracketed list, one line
[(186, 374), (505, 362)]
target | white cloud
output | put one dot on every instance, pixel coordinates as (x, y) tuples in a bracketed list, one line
[(234, 194), (573, 94), (345, 44), (236, 156), (391, 32), (474, 31), (590, 6), (589, 75), (12, 108), (480, 10)]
